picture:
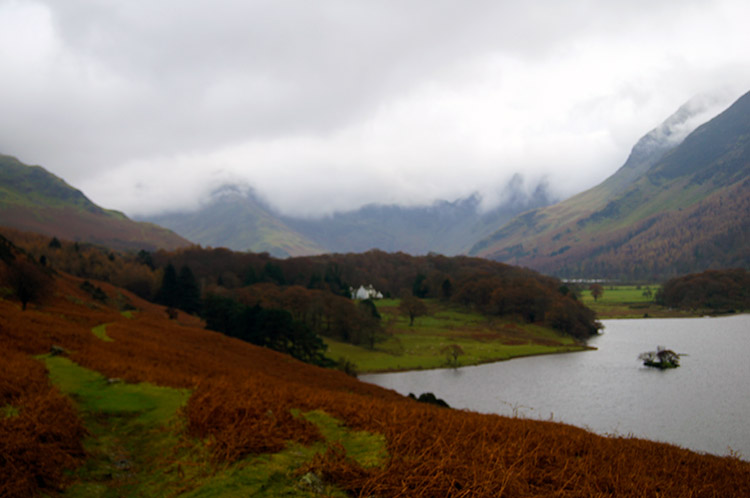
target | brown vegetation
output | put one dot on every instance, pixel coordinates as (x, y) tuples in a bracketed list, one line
[(243, 401), (43, 435), (712, 233), (717, 290), (315, 290)]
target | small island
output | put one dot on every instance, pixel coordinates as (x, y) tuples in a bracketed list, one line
[(662, 358)]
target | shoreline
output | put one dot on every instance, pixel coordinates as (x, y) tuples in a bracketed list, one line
[(577, 349), (678, 314)]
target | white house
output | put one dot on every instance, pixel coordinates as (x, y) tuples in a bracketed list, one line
[(363, 292)]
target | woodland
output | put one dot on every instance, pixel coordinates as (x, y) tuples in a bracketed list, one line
[(711, 290), (289, 304)]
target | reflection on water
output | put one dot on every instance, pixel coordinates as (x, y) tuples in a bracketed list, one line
[(703, 405)]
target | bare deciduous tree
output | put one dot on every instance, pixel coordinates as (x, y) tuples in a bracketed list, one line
[(596, 291), (27, 281), (412, 306)]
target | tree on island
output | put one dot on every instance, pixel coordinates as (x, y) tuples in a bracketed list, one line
[(661, 358), (596, 291)]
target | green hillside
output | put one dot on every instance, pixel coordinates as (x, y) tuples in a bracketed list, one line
[(240, 223), (689, 210), (33, 199)]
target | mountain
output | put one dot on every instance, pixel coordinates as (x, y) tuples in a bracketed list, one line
[(444, 227), (33, 199), (675, 206), (237, 220)]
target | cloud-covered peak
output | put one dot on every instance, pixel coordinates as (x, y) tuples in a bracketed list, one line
[(673, 130), (331, 105)]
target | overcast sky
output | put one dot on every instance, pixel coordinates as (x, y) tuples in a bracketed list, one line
[(325, 105)]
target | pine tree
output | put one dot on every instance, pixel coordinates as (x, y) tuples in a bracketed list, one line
[(188, 293), (168, 293)]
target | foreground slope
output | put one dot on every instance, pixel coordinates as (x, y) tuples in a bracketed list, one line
[(667, 211), (35, 200), (246, 401)]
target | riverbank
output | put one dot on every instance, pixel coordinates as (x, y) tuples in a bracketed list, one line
[(602, 391), (448, 337)]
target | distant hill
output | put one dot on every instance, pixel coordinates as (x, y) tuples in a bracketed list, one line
[(33, 199), (674, 207), (237, 220), (240, 221), (443, 227)]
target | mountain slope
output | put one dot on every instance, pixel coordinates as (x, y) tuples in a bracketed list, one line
[(238, 221), (668, 210), (33, 199)]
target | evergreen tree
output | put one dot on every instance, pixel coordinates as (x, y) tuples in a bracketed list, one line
[(222, 314), (419, 287), (144, 257), (273, 273), (168, 293), (188, 293), (447, 288)]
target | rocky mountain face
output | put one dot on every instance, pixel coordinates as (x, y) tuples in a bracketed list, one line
[(443, 227), (676, 206)]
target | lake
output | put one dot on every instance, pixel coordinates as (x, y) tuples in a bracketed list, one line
[(703, 405)]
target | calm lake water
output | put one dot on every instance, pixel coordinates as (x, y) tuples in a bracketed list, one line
[(704, 405)]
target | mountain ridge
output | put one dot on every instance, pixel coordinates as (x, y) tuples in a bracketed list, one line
[(692, 184), (445, 227), (32, 198)]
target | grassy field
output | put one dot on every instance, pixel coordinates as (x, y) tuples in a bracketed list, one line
[(136, 445), (629, 301), (482, 339)]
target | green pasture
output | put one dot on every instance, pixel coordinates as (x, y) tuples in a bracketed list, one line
[(277, 474), (628, 301), (482, 339)]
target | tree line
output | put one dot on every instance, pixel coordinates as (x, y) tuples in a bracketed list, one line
[(285, 304), (316, 289), (716, 290)]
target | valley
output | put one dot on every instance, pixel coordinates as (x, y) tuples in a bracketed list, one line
[(374, 249), (139, 363), (256, 421)]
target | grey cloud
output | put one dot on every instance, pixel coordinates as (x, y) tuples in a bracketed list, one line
[(178, 96)]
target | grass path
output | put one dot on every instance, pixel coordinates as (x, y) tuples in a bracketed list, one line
[(100, 331), (136, 445)]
